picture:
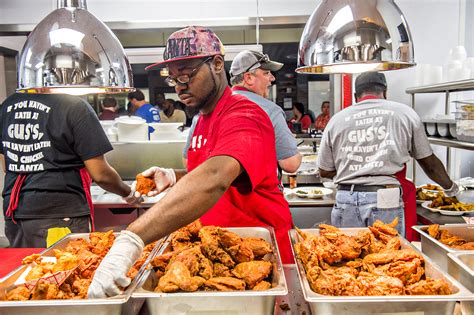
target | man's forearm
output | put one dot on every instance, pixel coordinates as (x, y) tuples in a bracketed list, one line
[(188, 200), (435, 170)]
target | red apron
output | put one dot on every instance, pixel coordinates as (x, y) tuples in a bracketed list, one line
[(15, 194), (226, 211), (409, 202)]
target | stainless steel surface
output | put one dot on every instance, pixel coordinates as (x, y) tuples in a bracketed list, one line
[(293, 302), (452, 143), (211, 302), (340, 305), (130, 159), (350, 36), (107, 306), (436, 250), (461, 267), (71, 51), (455, 86)]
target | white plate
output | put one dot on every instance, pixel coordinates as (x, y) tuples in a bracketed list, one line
[(287, 191), (445, 212), (324, 192)]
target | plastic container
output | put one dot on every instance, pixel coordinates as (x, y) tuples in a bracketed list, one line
[(130, 129), (465, 106), (430, 127)]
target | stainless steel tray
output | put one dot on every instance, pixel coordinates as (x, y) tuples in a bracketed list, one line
[(212, 302), (461, 267), (105, 306), (436, 250), (429, 304)]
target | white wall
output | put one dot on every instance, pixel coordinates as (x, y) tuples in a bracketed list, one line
[(435, 30)]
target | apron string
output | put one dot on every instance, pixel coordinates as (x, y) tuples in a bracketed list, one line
[(86, 184), (15, 196)]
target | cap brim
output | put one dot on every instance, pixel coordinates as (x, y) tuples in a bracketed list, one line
[(164, 63), (271, 65)]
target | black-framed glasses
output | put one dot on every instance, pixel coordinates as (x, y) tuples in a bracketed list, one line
[(260, 60), (185, 78)]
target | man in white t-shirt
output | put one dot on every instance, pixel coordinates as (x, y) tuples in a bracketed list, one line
[(365, 149)]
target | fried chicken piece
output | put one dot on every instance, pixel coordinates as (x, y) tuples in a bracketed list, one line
[(433, 230), (195, 261), (145, 184), (262, 286), (80, 287), (39, 271), (64, 261), (181, 239), (381, 285), (20, 293), (76, 246), (227, 238), (45, 291), (334, 281), (220, 270), (347, 245), (225, 284), (393, 244), (101, 242), (234, 245), (466, 246), (178, 277), (259, 246), (209, 236), (383, 231), (429, 287), (253, 272), (34, 258), (451, 240), (194, 227)]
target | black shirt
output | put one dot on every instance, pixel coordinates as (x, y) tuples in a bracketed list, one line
[(48, 137)]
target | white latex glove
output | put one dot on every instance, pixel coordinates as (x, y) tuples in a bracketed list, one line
[(112, 271), (453, 191), (163, 177), (131, 199)]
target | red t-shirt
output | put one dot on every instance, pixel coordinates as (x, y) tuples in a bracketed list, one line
[(305, 122), (241, 129)]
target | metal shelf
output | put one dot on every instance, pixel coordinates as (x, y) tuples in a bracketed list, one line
[(452, 143), (455, 86)]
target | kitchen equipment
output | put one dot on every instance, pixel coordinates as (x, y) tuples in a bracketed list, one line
[(438, 251), (213, 302), (430, 127), (165, 131), (104, 306), (358, 305), (130, 129)]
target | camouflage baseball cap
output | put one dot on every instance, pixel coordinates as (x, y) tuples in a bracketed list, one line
[(189, 43)]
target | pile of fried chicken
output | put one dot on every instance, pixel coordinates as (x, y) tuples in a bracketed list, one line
[(367, 264), (212, 258), (449, 239), (82, 257)]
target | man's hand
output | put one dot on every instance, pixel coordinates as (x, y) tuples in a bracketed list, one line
[(163, 177), (131, 199), (112, 271), (453, 191)]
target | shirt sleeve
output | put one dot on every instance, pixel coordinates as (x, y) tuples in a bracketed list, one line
[(245, 137), (420, 145), (190, 136), (285, 142), (325, 156), (88, 135)]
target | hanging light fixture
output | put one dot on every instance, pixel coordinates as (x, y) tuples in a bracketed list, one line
[(351, 36), (70, 51)]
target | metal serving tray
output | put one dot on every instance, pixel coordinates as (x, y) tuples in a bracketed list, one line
[(213, 302), (461, 267), (429, 304), (437, 250), (105, 306)]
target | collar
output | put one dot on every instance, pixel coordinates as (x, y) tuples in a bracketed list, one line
[(369, 97), (240, 88), (221, 103)]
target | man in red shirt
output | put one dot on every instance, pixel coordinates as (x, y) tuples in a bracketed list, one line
[(231, 178)]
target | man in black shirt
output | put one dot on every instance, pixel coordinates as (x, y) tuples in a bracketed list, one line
[(51, 147)]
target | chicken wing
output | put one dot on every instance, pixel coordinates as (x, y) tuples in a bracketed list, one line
[(178, 277)]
